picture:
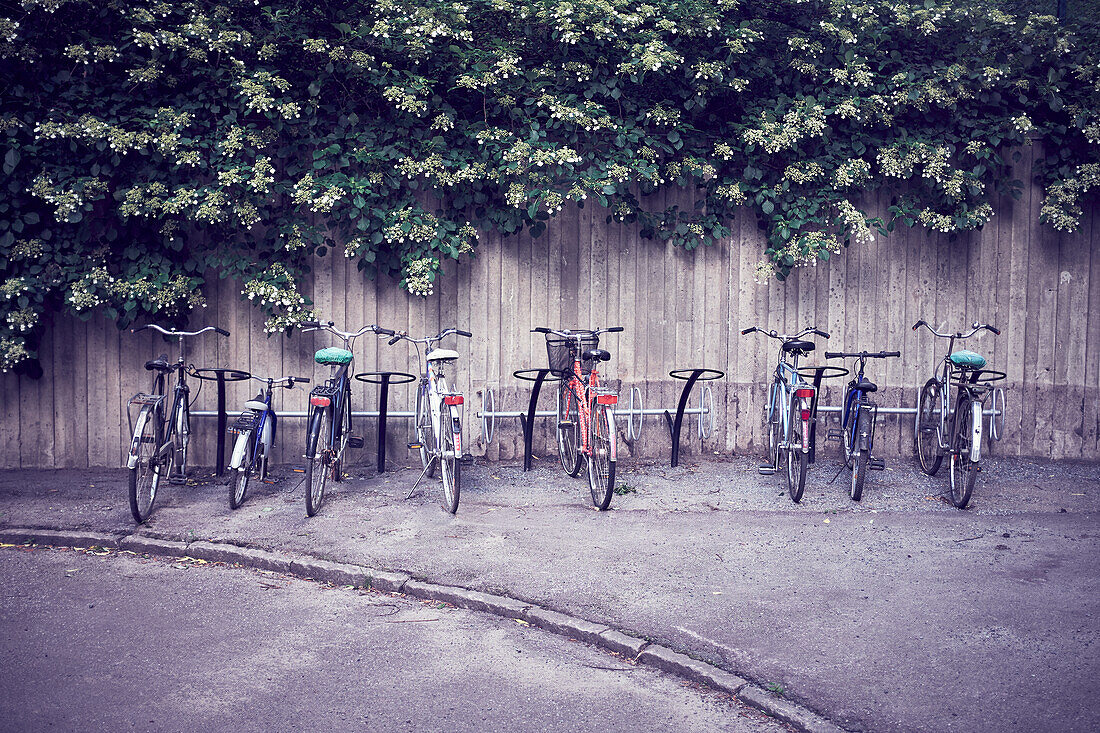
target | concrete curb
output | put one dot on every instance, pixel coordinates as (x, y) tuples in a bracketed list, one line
[(347, 574)]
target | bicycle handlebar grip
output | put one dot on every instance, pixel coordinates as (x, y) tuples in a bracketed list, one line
[(819, 332), (303, 380), (890, 353), (385, 331), (617, 329), (540, 329), (918, 324), (309, 324), (139, 328), (222, 331), (833, 354), (394, 340), (467, 334), (747, 331), (996, 331)]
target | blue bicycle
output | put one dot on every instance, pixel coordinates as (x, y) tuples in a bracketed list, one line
[(789, 412), (255, 431), (857, 424)]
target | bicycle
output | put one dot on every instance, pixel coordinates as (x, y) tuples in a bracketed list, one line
[(789, 412), (329, 415), (255, 430), (941, 430), (857, 428), (438, 427), (585, 407), (159, 443)]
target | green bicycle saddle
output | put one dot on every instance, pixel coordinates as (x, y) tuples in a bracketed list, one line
[(332, 355), (967, 360)]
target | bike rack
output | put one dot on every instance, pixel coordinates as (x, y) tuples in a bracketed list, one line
[(527, 421), (221, 376), (384, 379), (691, 376)]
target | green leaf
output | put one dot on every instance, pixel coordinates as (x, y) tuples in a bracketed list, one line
[(11, 159)]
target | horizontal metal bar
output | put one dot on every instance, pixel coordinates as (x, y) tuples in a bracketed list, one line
[(547, 413), (891, 410), (212, 413)]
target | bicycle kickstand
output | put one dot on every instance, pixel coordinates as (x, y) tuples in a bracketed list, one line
[(421, 477)]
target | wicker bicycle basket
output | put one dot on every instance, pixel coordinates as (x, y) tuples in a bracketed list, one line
[(560, 352)]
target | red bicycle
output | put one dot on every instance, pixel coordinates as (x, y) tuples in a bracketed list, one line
[(584, 408)]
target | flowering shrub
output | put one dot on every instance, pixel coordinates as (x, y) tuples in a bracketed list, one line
[(148, 144)]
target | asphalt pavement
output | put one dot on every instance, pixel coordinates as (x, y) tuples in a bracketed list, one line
[(897, 613), (105, 641)]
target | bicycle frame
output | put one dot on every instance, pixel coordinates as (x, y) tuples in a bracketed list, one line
[(589, 390), (789, 385)]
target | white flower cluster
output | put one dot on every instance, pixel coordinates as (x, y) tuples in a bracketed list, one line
[(67, 201), (443, 123), (13, 287), (804, 172), (420, 276), (851, 172), (854, 223), (589, 115), (801, 121), (12, 351), (319, 201), (1060, 207), (1022, 124), (900, 160), (9, 30), (661, 116), (274, 290), (652, 56), (256, 91), (405, 100), (731, 192), (410, 225), (26, 249)]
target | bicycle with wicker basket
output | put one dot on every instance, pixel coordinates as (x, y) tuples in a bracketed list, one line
[(585, 410)]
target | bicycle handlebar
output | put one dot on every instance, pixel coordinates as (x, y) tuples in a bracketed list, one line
[(578, 333), (861, 354), (171, 332), (398, 335), (330, 326), (977, 327), (290, 381), (782, 337)]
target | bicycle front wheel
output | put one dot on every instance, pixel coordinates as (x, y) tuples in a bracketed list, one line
[(182, 438), (568, 413), (928, 428), (964, 472), (318, 459), (797, 460), (601, 461), (773, 424), (146, 475), (425, 432), (238, 482), (449, 467)]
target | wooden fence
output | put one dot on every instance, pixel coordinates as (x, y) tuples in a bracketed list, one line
[(680, 309)]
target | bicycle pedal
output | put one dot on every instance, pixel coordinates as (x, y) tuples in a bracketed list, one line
[(834, 434), (765, 469), (355, 441), (467, 459), (876, 464), (177, 480)]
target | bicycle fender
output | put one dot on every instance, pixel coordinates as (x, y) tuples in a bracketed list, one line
[(612, 434), (139, 426), (975, 431), (863, 432), (240, 450)]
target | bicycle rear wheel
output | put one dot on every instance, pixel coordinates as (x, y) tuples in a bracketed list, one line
[(238, 482), (928, 427), (797, 460), (568, 413), (449, 467), (860, 456), (318, 459), (182, 438), (425, 431), (146, 475), (773, 424), (964, 472), (601, 464)]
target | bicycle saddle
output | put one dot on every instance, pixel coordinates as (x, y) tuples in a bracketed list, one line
[(798, 345), (596, 355), (442, 355), (332, 355), (967, 360), (866, 386), (160, 364)]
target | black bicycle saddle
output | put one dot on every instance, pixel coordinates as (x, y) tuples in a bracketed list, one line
[(597, 354), (798, 345)]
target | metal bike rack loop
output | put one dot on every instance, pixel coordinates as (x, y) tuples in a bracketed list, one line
[(384, 380), (221, 376), (691, 376), (528, 421)]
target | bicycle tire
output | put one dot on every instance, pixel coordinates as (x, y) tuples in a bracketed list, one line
[(568, 414), (928, 425), (601, 467), (318, 455), (238, 483), (773, 424), (846, 433), (182, 438), (145, 477), (450, 470), (341, 436), (797, 459), (963, 471), (425, 433), (859, 474)]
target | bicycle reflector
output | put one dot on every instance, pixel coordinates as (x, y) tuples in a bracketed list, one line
[(806, 393), (317, 401), (607, 399), (452, 399)]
